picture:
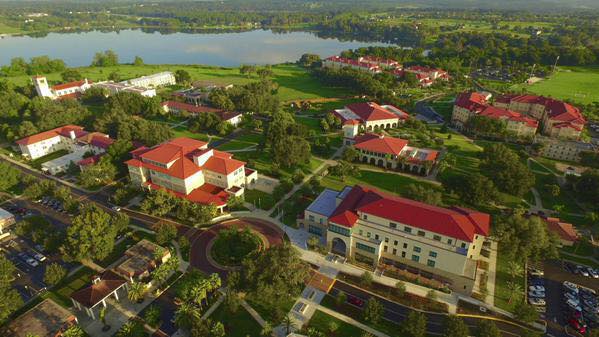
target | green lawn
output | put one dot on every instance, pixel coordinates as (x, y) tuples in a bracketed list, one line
[(565, 197), (181, 131), (238, 324), (268, 313), (535, 166), (321, 322), (502, 279), (443, 106), (322, 108), (311, 122), (61, 293), (263, 163), (571, 83), (4, 29), (295, 83), (251, 137), (234, 145), (261, 199)]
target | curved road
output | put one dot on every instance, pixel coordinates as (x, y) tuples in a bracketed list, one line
[(200, 239)]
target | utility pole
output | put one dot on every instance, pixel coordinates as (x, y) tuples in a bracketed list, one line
[(555, 64)]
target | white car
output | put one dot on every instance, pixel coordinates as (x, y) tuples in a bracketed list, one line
[(538, 294), (32, 262), (593, 273), (571, 287), (536, 301), (39, 257), (582, 271), (536, 288), (536, 272), (571, 297), (116, 208), (574, 305)]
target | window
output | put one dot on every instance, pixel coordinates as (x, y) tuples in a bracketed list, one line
[(365, 248), (405, 245), (417, 249), (311, 217), (449, 241), (407, 229), (339, 230), (395, 242), (385, 249), (361, 232), (420, 233), (367, 234), (392, 225), (315, 230), (376, 237), (403, 254), (365, 217), (432, 254), (394, 251), (430, 263), (463, 245), (386, 239), (436, 238), (415, 258)]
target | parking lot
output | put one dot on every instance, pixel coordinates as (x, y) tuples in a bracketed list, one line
[(579, 311)]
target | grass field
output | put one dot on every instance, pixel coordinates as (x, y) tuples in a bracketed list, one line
[(576, 84), (238, 324), (502, 279), (261, 199), (295, 83), (4, 29), (321, 322), (234, 145), (62, 292)]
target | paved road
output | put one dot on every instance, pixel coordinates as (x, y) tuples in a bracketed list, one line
[(435, 322)]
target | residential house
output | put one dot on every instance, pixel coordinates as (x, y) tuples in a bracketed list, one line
[(7, 219), (371, 116), (567, 234), (141, 259), (234, 118), (388, 231), (567, 150), (93, 297), (189, 169), (559, 119), (46, 319), (60, 91)]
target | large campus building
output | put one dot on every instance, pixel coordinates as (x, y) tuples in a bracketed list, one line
[(59, 91), (371, 116), (522, 114), (175, 107), (189, 169), (385, 230)]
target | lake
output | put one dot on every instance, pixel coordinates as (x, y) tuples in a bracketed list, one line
[(220, 49)]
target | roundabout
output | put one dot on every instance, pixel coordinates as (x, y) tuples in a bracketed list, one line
[(221, 247)]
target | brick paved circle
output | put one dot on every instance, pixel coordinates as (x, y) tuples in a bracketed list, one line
[(201, 242)]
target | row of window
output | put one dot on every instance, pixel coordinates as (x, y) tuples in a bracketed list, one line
[(415, 258), (340, 230)]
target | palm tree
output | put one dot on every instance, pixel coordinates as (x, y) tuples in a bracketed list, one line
[(198, 294), (136, 292), (516, 269), (266, 330), (515, 290), (289, 324), (186, 315)]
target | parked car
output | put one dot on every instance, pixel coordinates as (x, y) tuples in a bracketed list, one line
[(592, 272), (573, 305), (571, 296), (536, 272), (571, 267), (536, 288), (571, 287), (578, 326), (538, 294), (536, 281), (536, 301), (116, 208), (30, 261), (39, 257), (355, 301), (582, 271)]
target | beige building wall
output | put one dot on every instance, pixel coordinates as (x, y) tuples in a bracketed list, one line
[(460, 116), (381, 124), (44, 147)]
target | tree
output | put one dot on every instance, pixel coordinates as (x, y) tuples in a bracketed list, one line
[(309, 60), (504, 167), (218, 330), (138, 61), (414, 325), (526, 312), (333, 327), (136, 292), (11, 300), (424, 194), (265, 72), (114, 76), (515, 289), (587, 186), (54, 273), (474, 189), (350, 154), (486, 328), (400, 288), (366, 279), (74, 331), (106, 59), (182, 76), (373, 311), (340, 299), (525, 238), (91, 234), (289, 324), (10, 177), (165, 233), (247, 70), (71, 75), (133, 328), (267, 330), (186, 315), (455, 327), (100, 173), (158, 202)]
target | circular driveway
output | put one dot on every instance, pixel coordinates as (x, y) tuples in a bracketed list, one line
[(200, 242)]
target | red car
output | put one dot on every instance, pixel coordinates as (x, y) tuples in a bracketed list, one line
[(355, 301), (577, 325)]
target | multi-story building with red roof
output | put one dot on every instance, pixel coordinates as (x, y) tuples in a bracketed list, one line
[(338, 62), (189, 169), (371, 116), (426, 76), (559, 119), (64, 90), (386, 230)]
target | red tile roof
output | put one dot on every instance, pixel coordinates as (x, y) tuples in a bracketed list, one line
[(351, 122), (459, 223), (380, 144), (371, 111), (564, 230), (166, 152), (205, 194), (68, 85), (222, 163), (557, 110), (63, 130), (472, 101), (94, 293), (499, 113)]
